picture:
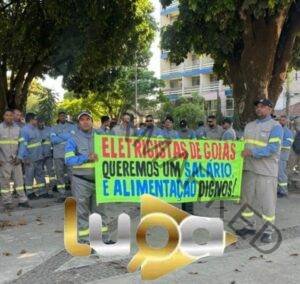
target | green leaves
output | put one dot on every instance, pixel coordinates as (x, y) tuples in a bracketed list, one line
[(119, 96), (190, 109), (42, 102), (83, 40), (215, 27)]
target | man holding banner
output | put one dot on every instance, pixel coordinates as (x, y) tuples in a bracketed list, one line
[(79, 155), (262, 149)]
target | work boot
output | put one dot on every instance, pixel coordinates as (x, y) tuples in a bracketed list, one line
[(281, 193), (32, 196), (109, 242), (24, 204), (244, 232), (266, 238), (60, 199), (46, 195), (54, 189)]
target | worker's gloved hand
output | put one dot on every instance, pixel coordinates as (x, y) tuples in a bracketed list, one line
[(93, 157)]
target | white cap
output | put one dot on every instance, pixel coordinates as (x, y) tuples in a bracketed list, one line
[(85, 112)]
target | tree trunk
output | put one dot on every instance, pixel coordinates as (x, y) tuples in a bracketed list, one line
[(3, 104), (261, 69), (11, 100)]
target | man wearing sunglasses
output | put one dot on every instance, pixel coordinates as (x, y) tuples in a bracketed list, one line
[(213, 131), (150, 129)]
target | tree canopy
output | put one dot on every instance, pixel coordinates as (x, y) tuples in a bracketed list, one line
[(85, 41), (119, 97), (41, 101), (191, 109), (253, 43)]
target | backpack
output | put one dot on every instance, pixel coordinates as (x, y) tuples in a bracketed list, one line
[(296, 144)]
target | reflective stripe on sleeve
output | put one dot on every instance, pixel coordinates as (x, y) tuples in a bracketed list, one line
[(85, 166), (69, 154), (247, 214), (34, 145), (256, 142), (268, 218), (60, 186), (275, 140)]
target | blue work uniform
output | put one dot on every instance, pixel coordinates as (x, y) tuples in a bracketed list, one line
[(48, 164), (287, 142), (60, 133), (187, 134), (259, 184), (31, 153), (149, 132), (170, 134), (77, 150)]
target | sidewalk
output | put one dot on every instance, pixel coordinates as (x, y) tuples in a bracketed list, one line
[(32, 251)]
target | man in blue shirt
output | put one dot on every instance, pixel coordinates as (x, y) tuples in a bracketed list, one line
[(168, 132), (185, 132), (229, 132), (259, 184), (105, 126), (31, 154), (287, 142), (150, 129)]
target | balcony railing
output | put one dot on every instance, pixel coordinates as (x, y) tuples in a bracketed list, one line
[(211, 87), (181, 70), (207, 63), (192, 89), (173, 91), (173, 72)]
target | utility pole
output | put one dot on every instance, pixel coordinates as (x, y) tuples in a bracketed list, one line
[(136, 87), (288, 98)]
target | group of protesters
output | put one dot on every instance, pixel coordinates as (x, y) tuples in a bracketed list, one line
[(32, 153)]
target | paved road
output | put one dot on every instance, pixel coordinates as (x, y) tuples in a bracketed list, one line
[(32, 251)]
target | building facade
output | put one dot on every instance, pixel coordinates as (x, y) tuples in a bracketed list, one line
[(194, 76), (290, 96)]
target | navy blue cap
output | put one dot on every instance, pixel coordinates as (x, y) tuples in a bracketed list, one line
[(265, 102)]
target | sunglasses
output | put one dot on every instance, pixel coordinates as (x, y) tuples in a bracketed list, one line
[(149, 120), (209, 121)]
